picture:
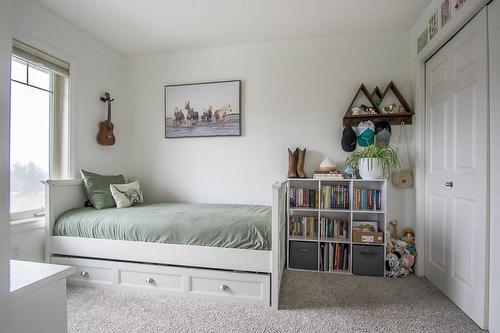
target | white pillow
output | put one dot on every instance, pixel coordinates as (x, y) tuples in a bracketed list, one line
[(127, 195)]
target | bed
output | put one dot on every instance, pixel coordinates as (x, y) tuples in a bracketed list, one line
[(224, 252)]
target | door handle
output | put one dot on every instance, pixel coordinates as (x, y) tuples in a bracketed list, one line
[(449, 184)]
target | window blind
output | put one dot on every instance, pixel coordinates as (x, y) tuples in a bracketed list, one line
[(40, 58)]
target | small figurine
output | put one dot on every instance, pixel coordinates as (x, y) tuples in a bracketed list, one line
[(350, 172), (402, 109), (389, 108), (356, 111)]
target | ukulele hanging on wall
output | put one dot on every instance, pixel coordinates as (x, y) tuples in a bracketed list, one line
[(105, 136)]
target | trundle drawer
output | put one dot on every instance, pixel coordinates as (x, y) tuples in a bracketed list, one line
[(87, 273), (169, 282), (245, 287), (193, 282)]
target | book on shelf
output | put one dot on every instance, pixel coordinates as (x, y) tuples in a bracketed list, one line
[(303, 198), (334, 257), (333, 228), (335, 197), (330, 175), (303, 226), (367, 199)]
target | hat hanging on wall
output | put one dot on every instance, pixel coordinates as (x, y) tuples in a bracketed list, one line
[(366, 134), (383, 132), (348, 139)]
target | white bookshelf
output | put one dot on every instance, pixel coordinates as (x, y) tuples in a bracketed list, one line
[(348, 215)]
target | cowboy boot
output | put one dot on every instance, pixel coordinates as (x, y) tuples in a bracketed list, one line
[(292, 163), (300, 163)]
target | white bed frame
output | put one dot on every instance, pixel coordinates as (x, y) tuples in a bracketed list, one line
[(110, 258)]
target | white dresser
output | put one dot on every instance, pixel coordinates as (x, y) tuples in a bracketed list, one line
[(38, 297)]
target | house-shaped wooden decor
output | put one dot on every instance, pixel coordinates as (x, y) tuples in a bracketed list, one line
[(394, 118), (392, 87), (349, 118)]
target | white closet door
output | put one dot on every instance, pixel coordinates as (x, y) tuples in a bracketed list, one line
[(457, 170)]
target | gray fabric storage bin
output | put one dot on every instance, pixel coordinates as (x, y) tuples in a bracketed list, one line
[(303, 255), (368, 260)]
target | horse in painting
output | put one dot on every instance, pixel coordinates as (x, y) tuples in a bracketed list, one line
[(221, 113)]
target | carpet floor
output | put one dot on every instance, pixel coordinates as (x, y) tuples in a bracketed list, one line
[(310, 302)]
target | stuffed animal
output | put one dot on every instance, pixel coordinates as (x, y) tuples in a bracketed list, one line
[(399, 262), (400, 246), (394, 266), (408, 260), (393, 229), (390, 245)]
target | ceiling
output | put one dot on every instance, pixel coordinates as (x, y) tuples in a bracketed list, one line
[(148, 26)]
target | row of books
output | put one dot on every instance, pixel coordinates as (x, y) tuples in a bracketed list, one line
[(333, 228), (303, 226), (303, 198), (334, 257), (367, 199), (335, 197)]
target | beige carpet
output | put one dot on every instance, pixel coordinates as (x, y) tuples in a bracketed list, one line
[(311, 302)]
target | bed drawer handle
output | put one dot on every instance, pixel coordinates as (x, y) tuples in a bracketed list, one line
[(223, 287), (150, 280), (85, 274)]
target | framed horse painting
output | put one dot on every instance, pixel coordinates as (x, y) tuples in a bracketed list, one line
[(203, 109)]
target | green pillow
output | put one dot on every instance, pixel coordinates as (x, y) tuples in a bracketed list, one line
[(97, 188)]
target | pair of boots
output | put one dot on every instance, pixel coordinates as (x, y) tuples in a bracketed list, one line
[(296, 160)]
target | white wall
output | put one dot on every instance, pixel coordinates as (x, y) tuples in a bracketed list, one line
[(5, 42), (293, 94), (95, 68), (27, 240)]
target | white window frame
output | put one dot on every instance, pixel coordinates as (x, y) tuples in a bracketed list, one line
[(59, 113)]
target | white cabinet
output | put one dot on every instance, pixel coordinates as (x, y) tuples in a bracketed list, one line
[(38, 292)]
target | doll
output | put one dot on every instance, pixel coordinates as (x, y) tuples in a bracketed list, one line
[(409, 238)]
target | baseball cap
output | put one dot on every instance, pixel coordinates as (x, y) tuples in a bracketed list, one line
[(348, 139)]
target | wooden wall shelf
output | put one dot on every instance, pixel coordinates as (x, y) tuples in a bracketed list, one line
[(391, 118)]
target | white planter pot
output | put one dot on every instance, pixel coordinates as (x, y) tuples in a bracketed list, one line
[(371, 168)]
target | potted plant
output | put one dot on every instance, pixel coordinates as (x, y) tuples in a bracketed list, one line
[(375, 161)]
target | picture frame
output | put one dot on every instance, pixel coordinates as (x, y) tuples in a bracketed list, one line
[(445, 12), (203, 109), (459, 4), (422, 40), (433, 26)]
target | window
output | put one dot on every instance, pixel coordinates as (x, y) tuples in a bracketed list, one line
[(38, 128)]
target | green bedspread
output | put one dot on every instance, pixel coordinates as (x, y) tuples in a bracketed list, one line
[(234, 226)]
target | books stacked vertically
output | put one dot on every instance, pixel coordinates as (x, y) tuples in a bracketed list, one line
[(303, 198), (303, 226), (333, 228), (367, 199), (334, 257), (335, 197)]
